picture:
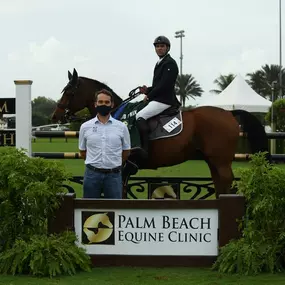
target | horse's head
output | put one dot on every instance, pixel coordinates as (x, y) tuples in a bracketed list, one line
[(77, 95), (73, 99)]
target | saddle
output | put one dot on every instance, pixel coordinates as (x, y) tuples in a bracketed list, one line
[(166, 124)]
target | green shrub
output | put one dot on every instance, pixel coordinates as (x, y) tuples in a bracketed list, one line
[(29, 194), (45, 256), (261, 248)]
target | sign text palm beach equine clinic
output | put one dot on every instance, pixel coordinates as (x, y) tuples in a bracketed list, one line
[(148, 231)]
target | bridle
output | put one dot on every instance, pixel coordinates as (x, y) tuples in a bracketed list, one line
[(64, 107)]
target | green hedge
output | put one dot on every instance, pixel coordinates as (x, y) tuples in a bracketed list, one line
[(29, 189)]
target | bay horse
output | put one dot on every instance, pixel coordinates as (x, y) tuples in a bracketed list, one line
[(207, 133)]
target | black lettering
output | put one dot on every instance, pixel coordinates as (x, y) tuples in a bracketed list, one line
[(165, 222), (152, 236), (175, 223), (191, 237), (183, 224), (121, 236), (149, 224), (205, 237), (138, 223), (191, 225), (180, 239), (130, 237), (170, 236), (207, 222), (139, 237), (122, 218), (129, 223)]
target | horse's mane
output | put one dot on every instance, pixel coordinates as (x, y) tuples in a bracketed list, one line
[(102, 85)]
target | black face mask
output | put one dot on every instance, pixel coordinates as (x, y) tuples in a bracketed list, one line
[(103, 110)]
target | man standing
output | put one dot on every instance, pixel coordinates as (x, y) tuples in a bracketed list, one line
[(104, 144)]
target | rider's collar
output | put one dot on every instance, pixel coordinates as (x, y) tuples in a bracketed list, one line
[(159, 61)]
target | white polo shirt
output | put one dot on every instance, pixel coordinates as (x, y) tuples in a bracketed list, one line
[(104, 143)]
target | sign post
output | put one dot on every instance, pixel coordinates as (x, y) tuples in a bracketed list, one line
[(24, 115)]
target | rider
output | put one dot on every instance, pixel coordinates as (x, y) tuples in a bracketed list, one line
[(161, 95)]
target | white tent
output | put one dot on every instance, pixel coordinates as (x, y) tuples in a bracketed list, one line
[(238, 95)]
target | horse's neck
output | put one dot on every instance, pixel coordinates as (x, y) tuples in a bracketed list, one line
[(95, 87), (91, 109)]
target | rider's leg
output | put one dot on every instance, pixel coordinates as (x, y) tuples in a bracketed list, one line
[(152, 109)]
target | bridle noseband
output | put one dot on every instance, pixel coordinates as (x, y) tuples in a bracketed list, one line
[(64, 108)]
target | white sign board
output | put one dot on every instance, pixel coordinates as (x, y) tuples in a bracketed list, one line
[(148, 231)]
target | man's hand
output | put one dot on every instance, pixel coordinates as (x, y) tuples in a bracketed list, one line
[(143, 89), (83, 154), (145, 98), (125, 155)]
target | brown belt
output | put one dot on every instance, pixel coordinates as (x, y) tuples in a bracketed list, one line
[(104, 170)]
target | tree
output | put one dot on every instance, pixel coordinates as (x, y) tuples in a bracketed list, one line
[(256, 82), (42, 109), (278, 114), (261, 80), (186, 86), (43, 105), (223, 81), (39, 119)]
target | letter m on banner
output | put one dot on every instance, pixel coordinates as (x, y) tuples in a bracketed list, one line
[(7, 106)]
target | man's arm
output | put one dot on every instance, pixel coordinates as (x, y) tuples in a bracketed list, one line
[(125, 155), (83, 154), (82, 143), (126, 140)]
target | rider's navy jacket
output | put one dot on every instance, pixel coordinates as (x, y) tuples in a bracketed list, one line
[(163, 83)]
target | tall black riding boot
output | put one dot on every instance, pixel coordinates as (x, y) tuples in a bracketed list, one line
[(143, 131)]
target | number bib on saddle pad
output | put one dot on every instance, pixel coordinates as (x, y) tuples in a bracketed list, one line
[(167, 124)]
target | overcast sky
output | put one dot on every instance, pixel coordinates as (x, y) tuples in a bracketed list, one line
[(111, 40)]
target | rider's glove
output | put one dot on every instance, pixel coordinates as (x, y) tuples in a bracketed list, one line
[(143, 89)]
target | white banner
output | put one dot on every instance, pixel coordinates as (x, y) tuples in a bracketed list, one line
[(148, 231)]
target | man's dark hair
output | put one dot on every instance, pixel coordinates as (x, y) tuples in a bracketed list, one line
[(103, 91)]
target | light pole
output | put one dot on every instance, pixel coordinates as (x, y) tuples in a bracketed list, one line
[(273, 124), (273, 142), (180, 34), (273, 84), (280, 52)]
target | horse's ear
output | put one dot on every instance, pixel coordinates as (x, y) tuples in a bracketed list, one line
[(75, 72), (69, 75), (74, 77)]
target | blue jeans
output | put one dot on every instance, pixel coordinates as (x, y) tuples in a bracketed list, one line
[(95, 182)]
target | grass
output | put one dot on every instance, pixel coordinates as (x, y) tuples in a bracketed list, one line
[(135, 276), (151, 276), (76, 166)]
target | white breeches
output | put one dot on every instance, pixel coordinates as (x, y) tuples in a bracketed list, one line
[(152, 109)]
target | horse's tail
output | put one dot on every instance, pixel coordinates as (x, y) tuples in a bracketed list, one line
[(254, 130)]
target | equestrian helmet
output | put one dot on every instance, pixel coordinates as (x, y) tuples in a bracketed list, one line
[(162, 40)]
